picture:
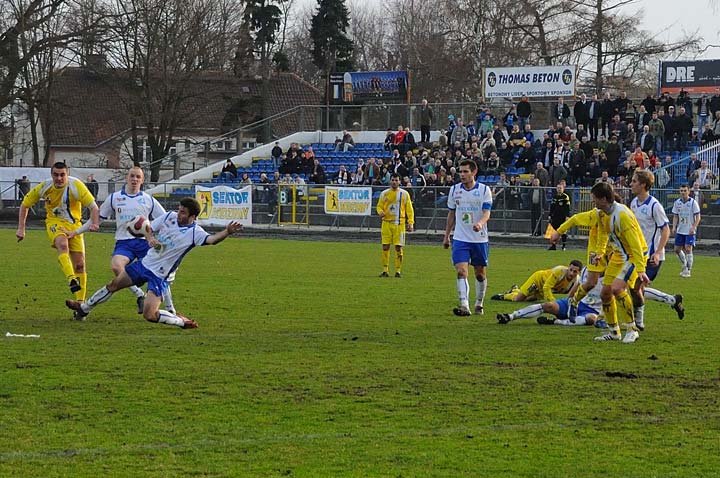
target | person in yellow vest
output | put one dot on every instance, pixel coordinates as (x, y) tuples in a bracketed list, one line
[(396, 211), (65, 197), (543, 284)]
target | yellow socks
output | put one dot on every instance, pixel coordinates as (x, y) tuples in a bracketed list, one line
[(82, 293), (385, 259), (66, 266), (398, 260), (625, 309)]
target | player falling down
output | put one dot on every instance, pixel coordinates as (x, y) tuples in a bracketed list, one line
[(124, 205), (542, 284), (586, 313), (173, 235)]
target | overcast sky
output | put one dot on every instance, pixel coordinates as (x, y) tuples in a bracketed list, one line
[(672, 17)]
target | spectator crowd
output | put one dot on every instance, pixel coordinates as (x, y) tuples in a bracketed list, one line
[(589, 141)]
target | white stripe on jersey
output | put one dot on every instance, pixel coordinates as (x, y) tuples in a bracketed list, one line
[(124, 207), (652, 219), (469, 206), (175, 242)]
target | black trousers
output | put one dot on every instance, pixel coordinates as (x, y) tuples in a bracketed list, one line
[(536, 219), (424, 133)]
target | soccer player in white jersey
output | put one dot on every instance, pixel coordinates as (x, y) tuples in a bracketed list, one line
[(174, 235), (586, 312), (654, 225), (686, 219), (470, 203), (124, 205)]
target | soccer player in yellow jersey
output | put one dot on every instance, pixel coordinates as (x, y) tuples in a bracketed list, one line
[(627, 262), (597, 241), (65, 197), (542, 285), (396, 211)]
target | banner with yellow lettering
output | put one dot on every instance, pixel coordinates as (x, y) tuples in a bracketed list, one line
[(222, 204), (348, 201)]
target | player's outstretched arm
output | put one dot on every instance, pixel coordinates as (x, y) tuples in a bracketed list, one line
[(218, 237)]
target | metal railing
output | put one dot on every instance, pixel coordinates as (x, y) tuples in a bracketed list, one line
[(513, 211)]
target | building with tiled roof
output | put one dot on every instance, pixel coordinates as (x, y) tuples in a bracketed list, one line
[(90, 123)]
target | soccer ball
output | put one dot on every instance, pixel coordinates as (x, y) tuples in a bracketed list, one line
[(139, 226)]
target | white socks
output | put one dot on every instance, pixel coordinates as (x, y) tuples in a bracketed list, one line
[(480, 288), (639, 313), (658, 296), (168, 299), (170, 319), (463, 291), (529, 312), (137, 291), (683, 259), (100, 296), (689, 260)]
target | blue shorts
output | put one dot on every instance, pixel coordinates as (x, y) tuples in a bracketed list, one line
[(475, 253), (684, 239), (139, 274), (652, 271), (131, 248), (582, 310)]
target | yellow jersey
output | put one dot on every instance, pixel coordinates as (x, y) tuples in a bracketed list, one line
[(397, 206), (625, 238), (65, 203), (555, 280), (597, 237)]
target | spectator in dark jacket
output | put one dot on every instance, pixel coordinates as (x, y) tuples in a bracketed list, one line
[(683, 129), (524, 112), (613, 153), (560, 111), (559, 210), (580, 111)]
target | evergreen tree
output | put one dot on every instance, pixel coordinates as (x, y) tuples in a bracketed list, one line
[(263, 17), (332, 48)]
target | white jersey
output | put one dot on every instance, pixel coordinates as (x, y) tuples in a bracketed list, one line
[(652, 219), (175, 242), (124, 207), (592, 299), (469, 206), (685, 212)]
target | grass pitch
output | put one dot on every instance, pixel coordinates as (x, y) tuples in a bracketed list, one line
[(308, 364)]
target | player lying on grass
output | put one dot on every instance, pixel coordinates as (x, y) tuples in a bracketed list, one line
[(173, 235), (542, 284), (586, 312)]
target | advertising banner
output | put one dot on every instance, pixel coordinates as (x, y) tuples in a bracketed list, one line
[(369, 87), (694, 76), (530, 81), (223, 204), (348, 201)]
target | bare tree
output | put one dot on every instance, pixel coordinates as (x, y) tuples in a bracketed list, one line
[(161, 48), (616, 44)]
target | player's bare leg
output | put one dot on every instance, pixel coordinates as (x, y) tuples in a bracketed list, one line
[(117, 264), (153, 313)]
